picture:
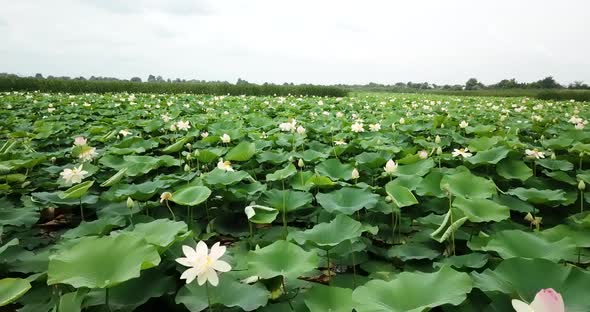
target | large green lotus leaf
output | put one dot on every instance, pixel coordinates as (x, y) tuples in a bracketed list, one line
[(483, 143), (129, 295), (133, 145), (413, 291), (281, 258), (347, 200), (18, 216), (579, 235), (191, 195), (99, 262), (480, 129), (138, 165), (301, 181), (98, 227), (264, 216), (247, 191), (330, 234), (272, 157), (334, 169), (535, 196), (559, 143), (287, 200), (76, 191), (430, 185), (468, 185), (176, 146), (318, 180), (401, 196), (241, 152), (12, 242), (561, 177), (282, 174), (514, 169), (521, 244), (472, 260), (481, 210), (114, 179), (72, 302), (420, 168), (322, 298), (142, 192), (555, 164), (491, 156), (371, 160), (580, 148), (161, 232), (208, 155), (12, 289), (412, 251), (515, 203), (221, 177), (229, 293), (311, 155), (522, 278)]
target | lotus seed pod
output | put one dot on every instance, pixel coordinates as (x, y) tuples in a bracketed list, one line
[(581, 185)]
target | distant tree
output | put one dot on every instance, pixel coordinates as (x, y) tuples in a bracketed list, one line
[(473, 84), (242, 82), (38, 76), (547, 83), (135, 79), (507, 84), (151, 78), (578, 85), (159, 79)]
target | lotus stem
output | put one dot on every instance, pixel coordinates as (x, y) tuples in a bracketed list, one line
[(170, 209)]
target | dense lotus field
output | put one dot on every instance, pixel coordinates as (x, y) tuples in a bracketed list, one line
[(181, 202)]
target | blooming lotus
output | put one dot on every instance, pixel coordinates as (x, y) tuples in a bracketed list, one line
[(203, 265), (357, 127), (300, 130), (546, 300), (80, 141), (183, 125), (463, 124), (224, 165), (88, 153), (288, 126), (339, 142), (75, 175), (225, 138), (390, 167), (464, 152), (125, 132), (534, 153), (375, 127), (423, 154), (166, 118), (204, 134)]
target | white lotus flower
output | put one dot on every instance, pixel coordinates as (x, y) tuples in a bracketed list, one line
[(355, 174), (300, 130), (357, 127), (339, 114), (375, 127), (390, 167), (423, 154), (288, 126), (579, 126), (402, 120), (546, 300), (72, 176), (204, 134), (224, 165), (88, 154), (172, 127), (125, 132), (463, 124), (80, 141), (183, 125), (462, 152), (166, 117), (225, 138), (576, 120), (534, 153), (339, 142), (203, 265)]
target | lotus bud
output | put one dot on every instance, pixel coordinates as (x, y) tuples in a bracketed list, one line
[(130, 203), (437, 139), (388, 199), (355, 174), (53, 159), (439, 151), (529, 217), (442, 125), (188, 145), (581, 186), (553, 157), (300, 163), (187, 168)]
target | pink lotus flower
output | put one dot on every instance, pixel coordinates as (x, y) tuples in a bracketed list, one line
[(546, 300)]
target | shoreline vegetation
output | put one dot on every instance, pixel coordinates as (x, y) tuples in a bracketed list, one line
[(545, 89)]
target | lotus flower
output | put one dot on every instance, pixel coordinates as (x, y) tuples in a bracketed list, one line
[(390, 167), (355, 174), (534, 153), (203, 265), (462, 152), (73, 175), (183, 125), (224, 165), (88, 153), (225, 138), (546, 300), (357, 127), (463, 124), (80, 141)]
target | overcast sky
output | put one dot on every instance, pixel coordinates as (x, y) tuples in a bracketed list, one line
[(303, 41)]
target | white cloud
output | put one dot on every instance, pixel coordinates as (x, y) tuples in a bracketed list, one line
[(299, 41)]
